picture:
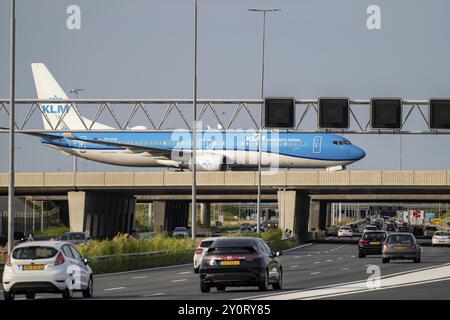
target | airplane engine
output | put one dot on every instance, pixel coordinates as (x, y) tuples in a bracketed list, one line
[(211, 163)]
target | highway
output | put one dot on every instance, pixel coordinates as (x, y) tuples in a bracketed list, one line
[(328, 265)]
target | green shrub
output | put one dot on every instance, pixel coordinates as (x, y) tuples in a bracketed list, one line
[(123, 243), (55, 231), (272, 235)]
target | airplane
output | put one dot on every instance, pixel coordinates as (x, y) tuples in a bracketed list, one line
[(216, 150)]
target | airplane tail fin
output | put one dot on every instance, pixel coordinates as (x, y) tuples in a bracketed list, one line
[(52, 114)]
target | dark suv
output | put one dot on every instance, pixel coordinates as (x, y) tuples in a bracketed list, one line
[(371, 242), (239, 262)]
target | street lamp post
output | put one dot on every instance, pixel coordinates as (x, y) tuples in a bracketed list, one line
[(75, 158), (194, 131), (258, 201), (12, 80)]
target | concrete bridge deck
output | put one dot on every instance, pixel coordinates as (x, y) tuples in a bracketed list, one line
[(54, 182)]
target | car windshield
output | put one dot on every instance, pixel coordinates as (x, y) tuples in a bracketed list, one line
[(180, 229), (399, 238), (206, 244), (441, 233), (374, 236), (34, 253), (345, 228), (431, 228)]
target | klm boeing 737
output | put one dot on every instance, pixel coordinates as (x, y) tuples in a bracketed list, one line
[(216, 150)]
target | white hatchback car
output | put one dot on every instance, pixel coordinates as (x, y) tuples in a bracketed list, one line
[(440, 238), (46, 267), (201, 251), (345, 231)]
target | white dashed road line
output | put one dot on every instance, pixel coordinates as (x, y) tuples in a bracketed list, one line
[(179, 280), (154, 294), (313, 273), (344, 269), (295, 266), (140, 277), (113, 289), (185, 272)]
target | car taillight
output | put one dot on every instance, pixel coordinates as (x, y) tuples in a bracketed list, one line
[(8, 261), (385, 246), (198, 251), (363, 242), (59, 259)]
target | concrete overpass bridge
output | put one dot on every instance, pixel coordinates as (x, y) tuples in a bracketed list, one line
[(104, 202)]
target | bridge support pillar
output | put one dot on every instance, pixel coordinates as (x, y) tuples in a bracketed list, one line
[(103, 215), (205, 214), (171, 214), (318, 215), (293, 207)]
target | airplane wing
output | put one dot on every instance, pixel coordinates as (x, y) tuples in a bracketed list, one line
[(132, 147)]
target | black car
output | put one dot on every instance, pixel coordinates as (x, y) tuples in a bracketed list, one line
[(390, 227), (371, 242), (240, 262), (418, 231), (355, 227)]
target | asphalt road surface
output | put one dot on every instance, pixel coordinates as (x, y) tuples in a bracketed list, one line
[(313, 271)]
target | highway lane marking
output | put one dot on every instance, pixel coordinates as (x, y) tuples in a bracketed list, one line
[(139, 277), (353, 256), (179, 280), (141, 270), (295, 248), (405, 278), (340, 258), (317, 262), (114, 289), (154, 294), (329, 260), (297, 257), (344, 269), (313, 273), (185, 272), (308, 255), (295, 266)]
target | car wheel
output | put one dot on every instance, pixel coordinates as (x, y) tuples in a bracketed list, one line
[(416, 260), (385, 260), (221, 288), (9, 296), (264, 283), (67, 293), (196, 270), (89, 291), (30, 295), (279, 284), (204, 287)]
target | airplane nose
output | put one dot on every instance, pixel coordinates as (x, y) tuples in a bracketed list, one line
[(359, 153)]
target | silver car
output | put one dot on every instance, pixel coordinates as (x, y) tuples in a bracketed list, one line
[(402, 246), (76, 237)]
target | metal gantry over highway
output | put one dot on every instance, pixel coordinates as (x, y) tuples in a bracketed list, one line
[(334, 115)]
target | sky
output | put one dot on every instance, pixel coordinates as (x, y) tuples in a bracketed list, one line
[(314, 48)]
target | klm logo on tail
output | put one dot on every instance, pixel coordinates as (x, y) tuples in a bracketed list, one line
[(55, 109)]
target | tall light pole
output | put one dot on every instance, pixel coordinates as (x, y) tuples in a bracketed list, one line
[(258, 201), (75, 158), (12, 80), (194, 131)]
